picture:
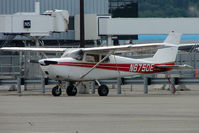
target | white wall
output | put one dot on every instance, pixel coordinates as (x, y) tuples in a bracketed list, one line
[(91, 27), (133, 26)]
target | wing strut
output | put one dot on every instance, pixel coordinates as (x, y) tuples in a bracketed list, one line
[(96, 65)]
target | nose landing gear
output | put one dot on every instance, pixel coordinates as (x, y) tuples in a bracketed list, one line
[(56, 91)]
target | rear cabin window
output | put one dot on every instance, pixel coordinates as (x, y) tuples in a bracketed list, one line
[(106, 60)]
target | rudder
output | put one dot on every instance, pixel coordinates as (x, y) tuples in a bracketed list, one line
[(173, 38)]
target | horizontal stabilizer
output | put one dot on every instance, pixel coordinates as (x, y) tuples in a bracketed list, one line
[(175, 66)]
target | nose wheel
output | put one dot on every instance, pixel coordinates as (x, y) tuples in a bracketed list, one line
[(56, 91)]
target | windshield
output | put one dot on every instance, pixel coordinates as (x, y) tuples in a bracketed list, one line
[(75, 54)]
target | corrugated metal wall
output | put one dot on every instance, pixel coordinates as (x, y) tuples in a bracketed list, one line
[(91, 6)]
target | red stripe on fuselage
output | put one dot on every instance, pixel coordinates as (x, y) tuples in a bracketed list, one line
[(136, 67)]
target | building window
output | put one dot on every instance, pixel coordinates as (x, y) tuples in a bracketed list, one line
[(71, 23), (123, 8)]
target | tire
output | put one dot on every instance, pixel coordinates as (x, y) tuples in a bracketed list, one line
[(103, 90), (56, 91), (71, 90)]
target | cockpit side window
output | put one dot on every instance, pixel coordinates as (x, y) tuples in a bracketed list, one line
[(92, 58), (78, 54)]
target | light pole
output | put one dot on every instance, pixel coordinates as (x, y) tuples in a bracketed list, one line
[(82, 39)]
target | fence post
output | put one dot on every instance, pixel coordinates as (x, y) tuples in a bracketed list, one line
[(145, 85), (43, 85), (93, 87), (19, 84), (173, 89), (119, 86)]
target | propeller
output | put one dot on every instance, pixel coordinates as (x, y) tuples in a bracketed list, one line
[(33, 61), (47, 62)]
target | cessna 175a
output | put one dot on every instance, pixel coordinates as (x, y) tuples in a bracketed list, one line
[(87, 64)]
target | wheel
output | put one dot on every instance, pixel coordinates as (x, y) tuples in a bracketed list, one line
[(56, 91), (103, 90), (71, 90)]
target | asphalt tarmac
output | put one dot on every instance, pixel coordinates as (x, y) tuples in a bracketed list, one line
[(94, 114)]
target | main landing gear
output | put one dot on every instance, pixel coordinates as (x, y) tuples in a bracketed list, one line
[(71, 90), (103, 90)]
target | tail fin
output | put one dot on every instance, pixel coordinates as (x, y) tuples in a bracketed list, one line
[(168, 55), (173, 38)]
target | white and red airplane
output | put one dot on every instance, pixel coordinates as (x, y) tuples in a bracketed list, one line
[(87, 64)]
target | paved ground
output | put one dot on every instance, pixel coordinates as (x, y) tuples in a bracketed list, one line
[(93, 114)]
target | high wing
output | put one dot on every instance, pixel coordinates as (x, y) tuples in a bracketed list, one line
[(175, 66), (126, 48), (96, 50), (33, 49)]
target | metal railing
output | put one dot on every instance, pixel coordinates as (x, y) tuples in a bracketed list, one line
[(9, 65), (8, 69), (120, 81)]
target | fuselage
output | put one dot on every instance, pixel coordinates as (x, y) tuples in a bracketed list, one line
[(70, 69)]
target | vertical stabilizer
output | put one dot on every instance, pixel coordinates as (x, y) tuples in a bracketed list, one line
[(168, 55), (165, 55), (173, 38)]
